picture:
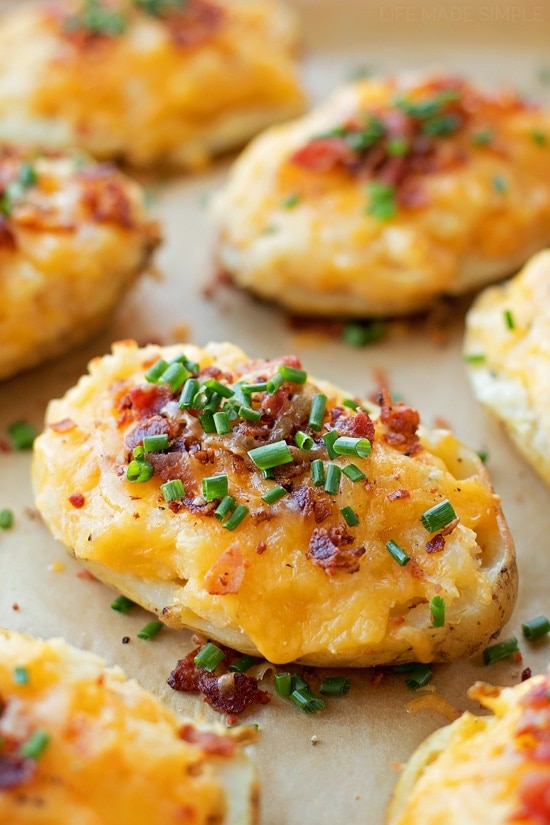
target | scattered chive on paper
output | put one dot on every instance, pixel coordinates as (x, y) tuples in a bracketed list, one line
[(283, 683), (22, 435), (335, 686), (6, 518), (242, 664), (122, 604), (536, 628), (150, 630), (499, 651)]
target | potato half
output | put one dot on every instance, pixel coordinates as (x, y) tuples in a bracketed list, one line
[(329, 557), (482, 769), (74, 236), (82, 743), (508, 358), (162, 83), (394, 192)]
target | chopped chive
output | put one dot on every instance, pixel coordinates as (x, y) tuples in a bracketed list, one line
[(222, 423), (419, 676), (318, 472), (350, 516), (382, 202), (438, 516), (259, 386), (353, 472), (35, 745), (296, 376), (306, 700), (212, 401), (483, 456), (329, 439), (153, 373), (225, 507), (349, 402), (291, 200), (173, 490), (218, 387), (274, 494), (27, 176), (482, 137), (539, 137), (437, 610), (397, 147), (275, 383), (242, 665), (475, 358), (155, 442), (6, 519), (249, 413), (298, 682), (535, 628), (22, 435), (397, 553), (268, 473), (239, 513), (21, 675), (207, 422), (332, 481), (209, 657), (122, 605), (335, 686), (346, 445), (139, 452), (495, 653), (509, 319), (271, 455), (359, 334), (499, 184), (139, 471), (317, 412), (150, 630), (215, 486), (174, 375), (188, 393), (303, 441), (283, 683)]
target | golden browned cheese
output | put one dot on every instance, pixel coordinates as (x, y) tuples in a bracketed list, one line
[(295, 579), (483, 769), (507, 355), (156, 83), (395, 191), (81, 743), (74, 236)]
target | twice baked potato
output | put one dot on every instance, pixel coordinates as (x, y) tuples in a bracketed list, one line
[(392, 193), (482, 769), (82, 743), (508, 360), (150, 82), (266, 509), (74, 235)]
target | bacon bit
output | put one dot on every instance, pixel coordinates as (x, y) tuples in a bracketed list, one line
[(185, 676), (436, 544), (208, 741), (105, 197), (195, 22), (322, 508), (77, 500), (526, 673), (144, 401), (396, 620), (156, 425), (244, 694), (63, 426), (7, 238), (377, 678), (398, 494), (441, 423), (323, 154), (5, 446), (534, 794), (401, 422), (304, 497), (15, 606), (359, 425), (86, 575), (261, 547), (15, 770), (227, 573), (325, 551)]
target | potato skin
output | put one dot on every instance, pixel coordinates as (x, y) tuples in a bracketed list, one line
[(481, 769), (74, 236), (114, 752), (293, 581), (154, 90), (296, 221)]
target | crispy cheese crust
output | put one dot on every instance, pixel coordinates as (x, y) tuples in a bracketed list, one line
[(392, 193), (295, 579), (506, 352), (108, 751), (74, 236), (157, 83), (483, 769)]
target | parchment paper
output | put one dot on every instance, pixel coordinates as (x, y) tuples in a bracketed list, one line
[(347, 776)]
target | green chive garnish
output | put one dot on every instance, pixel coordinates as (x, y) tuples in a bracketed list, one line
[(21, 675), (207, 422), (150, 630), (296, 376), (155, 442), (475, 358), (303, 441), (215, 486), (359, 333), (122, 605), (509, 319), (438, 516), (139, 471), (332, 481), (153, 373), (499, 184), (174, 375), (218, 387), (22, 435), (353, 472), (275, 383), (35, 745), (437, 609), (274, 494), (419, 676), (209, 657), (249, 389), (350, 516), (317, 412), (495, 653), (318, 472), (482, 137), (188, 393), (291, 201), (335, 686), (239, 513), (225, 507), (539, 137), (271, 455), (329, 438), (27, 175), (283, 683), (382, 202), (222, 423), (345, 445), (397, 147), (242, 665), (306, 700), (535, 628), (397, 553), (249, 413), (6, 519), (173, 490)]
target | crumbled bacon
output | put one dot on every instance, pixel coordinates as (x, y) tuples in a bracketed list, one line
[(156, 425), (323, 154), (144, 401), (401, 423), (359, 425), (436, 544), (395, 495), (245, 693), (63, 426), (15, 770), (227, 573), (105, 196), (7, 238), (328, 549), (195, 22), (208, 741), (77, 500)]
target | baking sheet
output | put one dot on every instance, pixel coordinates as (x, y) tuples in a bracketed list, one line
[(348, 774)]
